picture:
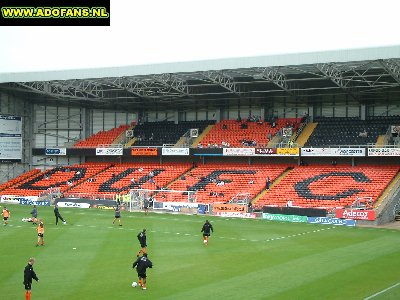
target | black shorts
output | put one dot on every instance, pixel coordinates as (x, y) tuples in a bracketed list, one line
[(28, 286), (142, 275), (206, 234), (117, 217), (5, 218), (40, 234), (143, 245)]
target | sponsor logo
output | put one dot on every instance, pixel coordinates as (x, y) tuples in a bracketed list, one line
[(355, 214), (351, 152), (73, 204), (332, 151), (288, 151), (265, 151), (103, 207), (285, 218), (17, 199), (238, 151), (383, 151), (34, 202), (174, 206), (144, 151), (56, 151), (236, 215), (331, 221), (229, 208), (109, 151), (175, 151)]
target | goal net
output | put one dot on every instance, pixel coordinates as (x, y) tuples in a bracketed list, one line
[(145, 197), (362, 203), (240, 198)]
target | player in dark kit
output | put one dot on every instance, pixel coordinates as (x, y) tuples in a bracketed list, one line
[(58, 215), (34, 214), (29, 274), (117, 215), (143, 243), (141, 264), (146, 204), (206, 230)]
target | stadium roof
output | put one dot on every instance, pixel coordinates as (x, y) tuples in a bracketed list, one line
[(364, 75)]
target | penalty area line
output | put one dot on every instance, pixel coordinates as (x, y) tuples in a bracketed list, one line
[(381, 292)]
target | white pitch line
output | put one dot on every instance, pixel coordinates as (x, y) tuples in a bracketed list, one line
[(188, 234), (381, 292)]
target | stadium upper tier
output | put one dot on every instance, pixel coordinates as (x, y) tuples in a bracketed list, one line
[(323, 186), (160, 133), (329, 132), (349, 131), (102, 137), (246, 133)]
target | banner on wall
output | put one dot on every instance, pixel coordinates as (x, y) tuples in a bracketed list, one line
[(395, 129), (10, 137), (331, 221), (144, 152), (383, 151), (265, 151), (175, 151), (19, 199), (229, 208), (56, 151), (288, 151), (73, 204), (333, 152), (355, 214), (238, 151), (285, 218), (236, 215), (109, 151)]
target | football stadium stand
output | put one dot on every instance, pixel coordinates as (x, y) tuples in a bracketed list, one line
[(101, 138), (327, 186)]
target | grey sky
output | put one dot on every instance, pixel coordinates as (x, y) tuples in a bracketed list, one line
[(155, 31)]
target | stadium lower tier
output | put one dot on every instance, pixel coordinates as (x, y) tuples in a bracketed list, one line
[(323, 186)]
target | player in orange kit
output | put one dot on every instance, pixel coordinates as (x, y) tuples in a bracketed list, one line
[(40, 231)]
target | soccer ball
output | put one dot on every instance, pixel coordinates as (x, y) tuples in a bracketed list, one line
[(134, 284)]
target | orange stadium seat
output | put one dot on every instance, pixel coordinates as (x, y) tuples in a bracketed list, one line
[(328, 186), (101, 138)]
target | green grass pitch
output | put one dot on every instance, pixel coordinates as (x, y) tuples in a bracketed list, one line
[(246, 259)]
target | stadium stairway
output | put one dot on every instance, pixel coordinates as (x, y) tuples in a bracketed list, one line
[(395, 182), (130, 142), (179, 177), (180, 142), (122, 136), (202, 135), (305, 134), (275, 140), (276, 181), (380, 141)]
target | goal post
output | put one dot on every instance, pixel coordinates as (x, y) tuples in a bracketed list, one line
[(139, 197)]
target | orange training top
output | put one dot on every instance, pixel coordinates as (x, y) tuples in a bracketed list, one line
[(6, 213), (40, 229)]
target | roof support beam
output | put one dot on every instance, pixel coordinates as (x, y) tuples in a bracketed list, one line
[(331, 71), (174, 82), (225, 81), (55, 89), (278, 78), (392, 67)]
